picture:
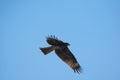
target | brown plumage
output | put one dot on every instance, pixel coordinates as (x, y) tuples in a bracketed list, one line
[(62, 52)]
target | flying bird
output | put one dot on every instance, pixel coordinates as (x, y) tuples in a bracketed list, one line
[(62, 51)]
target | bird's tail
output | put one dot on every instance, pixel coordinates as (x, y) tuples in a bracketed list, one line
[(47, 50)]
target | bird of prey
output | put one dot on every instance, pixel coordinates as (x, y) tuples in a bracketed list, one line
[(62, 51)]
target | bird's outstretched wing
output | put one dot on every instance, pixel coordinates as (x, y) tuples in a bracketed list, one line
[(65, 54), (52, 40)]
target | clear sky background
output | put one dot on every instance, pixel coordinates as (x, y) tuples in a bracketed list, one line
[(92, 27)]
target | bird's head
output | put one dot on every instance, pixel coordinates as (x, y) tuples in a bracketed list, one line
[(67, 44)]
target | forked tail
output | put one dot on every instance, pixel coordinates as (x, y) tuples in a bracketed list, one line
[(47, 50)]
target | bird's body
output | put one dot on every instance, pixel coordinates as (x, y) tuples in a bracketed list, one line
[(62, 51)]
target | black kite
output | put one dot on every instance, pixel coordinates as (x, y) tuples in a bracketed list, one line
[(62, 51)]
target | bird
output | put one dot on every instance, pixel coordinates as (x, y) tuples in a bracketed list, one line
[(62, 51)]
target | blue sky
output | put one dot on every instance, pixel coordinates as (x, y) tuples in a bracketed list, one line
[(92, 27)]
